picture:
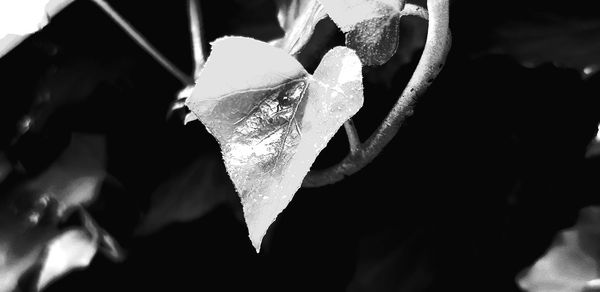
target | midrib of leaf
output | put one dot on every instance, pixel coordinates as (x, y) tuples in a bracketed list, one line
[(257, 106), (292, 119), (272, 92)]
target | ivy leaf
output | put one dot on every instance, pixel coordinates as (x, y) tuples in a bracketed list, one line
[(371, 26), (571, 264), (298, 19), (271, 118), (412, 36)]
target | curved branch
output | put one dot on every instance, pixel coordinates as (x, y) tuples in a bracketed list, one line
[(431, 63)]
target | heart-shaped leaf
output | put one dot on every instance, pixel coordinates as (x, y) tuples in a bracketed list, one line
[(371, 26), (298, 19), (272, 118), (571, 264)]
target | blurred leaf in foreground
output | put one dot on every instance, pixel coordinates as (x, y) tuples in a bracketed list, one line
[(30, 214), (572, 263), (271, 118)]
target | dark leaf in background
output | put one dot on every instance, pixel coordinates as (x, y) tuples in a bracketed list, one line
[(412, 35), (189, 195), (391, 261), (272, 118), (565, 41)]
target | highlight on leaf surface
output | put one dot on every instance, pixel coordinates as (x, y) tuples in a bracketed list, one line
[(371, 26), (572, 262), (271, 118)]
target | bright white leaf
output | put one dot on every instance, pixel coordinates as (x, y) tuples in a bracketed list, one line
[(271, 118), (571, 264)]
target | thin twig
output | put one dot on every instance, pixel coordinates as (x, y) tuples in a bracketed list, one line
[(415, 10), (353, 139), (138, 38), (195, 14), (431, 63)]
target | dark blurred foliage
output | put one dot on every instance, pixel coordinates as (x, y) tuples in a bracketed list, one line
[(470, 192)]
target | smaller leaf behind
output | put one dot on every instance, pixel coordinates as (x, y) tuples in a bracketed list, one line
[(371, 26), (298, 19), (271, 118)]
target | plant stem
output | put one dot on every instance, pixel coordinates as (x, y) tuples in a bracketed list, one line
[(195, 14), (431, 63), (140, 40), (353, 138)]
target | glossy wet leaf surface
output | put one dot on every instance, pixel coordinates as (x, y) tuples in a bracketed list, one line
[(272, 118), (571, 264), (371, 26)]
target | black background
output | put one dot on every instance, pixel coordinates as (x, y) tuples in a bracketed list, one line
[(469, 193)]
